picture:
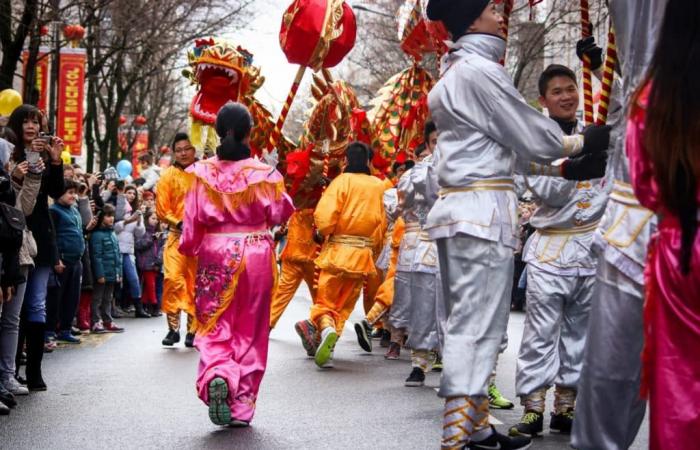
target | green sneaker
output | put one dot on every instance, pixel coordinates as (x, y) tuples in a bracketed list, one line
[(498, 401), (219, 411), (530, 424), (324, 353)]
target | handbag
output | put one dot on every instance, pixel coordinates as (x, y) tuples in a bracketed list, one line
[(12, 225)]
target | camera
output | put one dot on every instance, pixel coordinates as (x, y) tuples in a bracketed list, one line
[(47, 138)]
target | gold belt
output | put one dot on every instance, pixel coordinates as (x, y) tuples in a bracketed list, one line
[(496, 184), (572, 230), (352, 241), (412, 227)]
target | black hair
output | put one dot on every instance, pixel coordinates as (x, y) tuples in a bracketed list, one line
[(107, 210), (147, 158), (456, 15), (180, 136), (553, 71), (233, 125), (69, 184), (429, 129), (16, 122), (420, 149), (358, 158)]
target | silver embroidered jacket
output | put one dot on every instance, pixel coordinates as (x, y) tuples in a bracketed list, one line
[(417, 252), (483, 122), (391, 203), (626, 227)]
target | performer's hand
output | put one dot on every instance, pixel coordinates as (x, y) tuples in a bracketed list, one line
[(101, 280), (589, 48), (586, 167), (596, 139), (318, 238)]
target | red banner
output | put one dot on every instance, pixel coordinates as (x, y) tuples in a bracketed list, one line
[(41, 78), (71, 94)]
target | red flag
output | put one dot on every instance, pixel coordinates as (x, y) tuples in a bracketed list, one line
[(41, 76)]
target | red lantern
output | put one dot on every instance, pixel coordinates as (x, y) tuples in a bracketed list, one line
[(122, 120), (140, 121), (43, 30), (164, 150), (318, 33)]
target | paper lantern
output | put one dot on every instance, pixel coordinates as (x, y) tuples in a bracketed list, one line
[(318, 33)]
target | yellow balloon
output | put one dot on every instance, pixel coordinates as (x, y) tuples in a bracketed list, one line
[(9, 100), (65, 156)]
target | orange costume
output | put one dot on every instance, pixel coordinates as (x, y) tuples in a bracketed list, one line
[(385, 294), (179, 270), (297, 262), (350, 215)]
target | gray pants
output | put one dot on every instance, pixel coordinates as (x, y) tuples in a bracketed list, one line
[(102, 302), (423, 327), (400, 312), (476, 279), (609, 410), (556, 322), (9, 330)]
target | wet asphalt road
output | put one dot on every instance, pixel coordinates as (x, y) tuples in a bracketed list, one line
[(128, 392)]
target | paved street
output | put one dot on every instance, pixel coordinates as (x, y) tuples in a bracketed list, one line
[(126, 391)]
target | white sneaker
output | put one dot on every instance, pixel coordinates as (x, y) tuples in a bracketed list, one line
[(13, 386)]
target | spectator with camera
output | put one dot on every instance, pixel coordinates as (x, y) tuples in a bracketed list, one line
[(32, 147)]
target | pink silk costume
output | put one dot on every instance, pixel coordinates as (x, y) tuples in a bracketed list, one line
[(671, 311), (228, 214)]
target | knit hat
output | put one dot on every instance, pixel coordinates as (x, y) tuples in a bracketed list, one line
[(456, 15)]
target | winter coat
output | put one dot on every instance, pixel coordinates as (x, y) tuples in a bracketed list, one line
[(69, 232), (106, 257), (148, 251), (127, 233), (39, 222), (26, 200)]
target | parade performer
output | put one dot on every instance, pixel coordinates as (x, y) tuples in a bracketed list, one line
[(233, 203), (417, 284), (350, 216), (612, 357), (179, 270), (560, 273), (663, 147), (483, 121), (297, 262), (386, 262)]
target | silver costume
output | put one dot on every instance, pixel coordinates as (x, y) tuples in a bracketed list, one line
[(483, 121), (560, 279), (416, 283), (609, 409), (391, 202)]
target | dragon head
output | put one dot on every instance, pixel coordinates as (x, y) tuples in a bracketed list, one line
[(223, 72)]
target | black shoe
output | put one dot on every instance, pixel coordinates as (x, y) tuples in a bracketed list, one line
[(35, 354), (501, 442), (416, 378), (562, 422), (36, 385), (364, 331), (155, 311), (172, 338), (4, 410), (386, 339), (6, 397), (189, 340), (140, 313), (530, 424), (377, 333)]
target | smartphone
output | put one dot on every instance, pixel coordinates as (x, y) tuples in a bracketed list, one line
[(46, 138), (33, 159)]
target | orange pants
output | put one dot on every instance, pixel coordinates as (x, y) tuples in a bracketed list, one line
[(290, 278), (371, 287), (179, 276), (335, 299)]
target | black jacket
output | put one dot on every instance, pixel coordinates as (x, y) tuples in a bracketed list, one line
[(39, 222), (10, 275)]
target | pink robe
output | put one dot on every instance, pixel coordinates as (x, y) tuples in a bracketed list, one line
[(672, 311), (228, 214)]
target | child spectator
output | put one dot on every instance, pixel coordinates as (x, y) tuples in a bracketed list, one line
[(64, 297), (128, 230), (106, 271), (149, 261)]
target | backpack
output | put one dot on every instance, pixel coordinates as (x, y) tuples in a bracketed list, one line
[(12, 225)]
